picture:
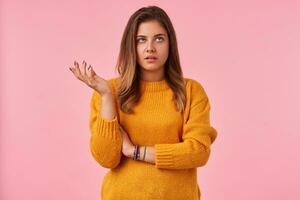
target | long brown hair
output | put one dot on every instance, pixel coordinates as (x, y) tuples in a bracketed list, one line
[(128, 68)]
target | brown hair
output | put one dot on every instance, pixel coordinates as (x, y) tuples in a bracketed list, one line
[(128, 68)]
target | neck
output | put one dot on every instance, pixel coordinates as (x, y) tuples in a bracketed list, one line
[(153, 76)]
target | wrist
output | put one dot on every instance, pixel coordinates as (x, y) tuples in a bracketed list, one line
[(139, 152), (136, 152), (106, 95), (129, 152)]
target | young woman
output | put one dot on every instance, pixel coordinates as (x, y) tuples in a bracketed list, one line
[(150, 126)]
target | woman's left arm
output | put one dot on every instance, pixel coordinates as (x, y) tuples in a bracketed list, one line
[(198, 135)]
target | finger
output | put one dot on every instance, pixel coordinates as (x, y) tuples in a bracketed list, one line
[(78, 70), (121, 130), (73, 71), (89, 71), (76, 67), (84, 68), (93, 73)]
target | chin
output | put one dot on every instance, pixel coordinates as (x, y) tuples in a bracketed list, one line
[(148, 67)]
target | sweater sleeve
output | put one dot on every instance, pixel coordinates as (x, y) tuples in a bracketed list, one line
[(105, 138), (197, 136)]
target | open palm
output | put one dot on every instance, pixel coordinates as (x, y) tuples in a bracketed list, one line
[(90, 78)]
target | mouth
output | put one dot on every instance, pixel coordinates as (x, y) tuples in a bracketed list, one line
[(151, 58)]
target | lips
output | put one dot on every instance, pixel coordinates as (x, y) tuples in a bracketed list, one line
[(151, 57)]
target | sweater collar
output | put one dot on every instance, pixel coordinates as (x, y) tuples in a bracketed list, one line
[(154, 86)]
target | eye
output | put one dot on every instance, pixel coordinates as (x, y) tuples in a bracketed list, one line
[(161, 38), (138, 40)]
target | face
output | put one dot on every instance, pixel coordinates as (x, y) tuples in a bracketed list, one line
[(152, 40)]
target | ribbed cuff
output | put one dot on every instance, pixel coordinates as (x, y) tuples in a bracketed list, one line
[(108, 128), (164, 155)]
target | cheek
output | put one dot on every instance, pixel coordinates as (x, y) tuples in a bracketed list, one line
[(164, 50), (139, 50)]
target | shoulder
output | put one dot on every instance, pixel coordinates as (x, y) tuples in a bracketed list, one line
[(113, 81), (191, 82), (194, 88)]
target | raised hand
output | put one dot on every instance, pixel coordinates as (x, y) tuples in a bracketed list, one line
[(89, 77)]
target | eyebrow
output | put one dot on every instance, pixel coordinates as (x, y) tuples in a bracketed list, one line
[(160, 34)]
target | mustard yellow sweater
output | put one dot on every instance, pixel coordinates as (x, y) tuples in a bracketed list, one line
[(182, 143)]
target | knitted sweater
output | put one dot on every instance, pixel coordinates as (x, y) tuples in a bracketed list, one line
[(182, 143)]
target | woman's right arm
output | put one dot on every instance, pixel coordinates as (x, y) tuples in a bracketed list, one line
[(105, 139), (108, 110)]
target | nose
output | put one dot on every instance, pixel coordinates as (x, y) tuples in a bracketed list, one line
[(150, 47)]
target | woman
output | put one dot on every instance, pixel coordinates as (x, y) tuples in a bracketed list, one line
[(149, 126)]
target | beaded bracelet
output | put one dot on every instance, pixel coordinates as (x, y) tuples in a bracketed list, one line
[(144, 153), (136, 152), (133, 153)]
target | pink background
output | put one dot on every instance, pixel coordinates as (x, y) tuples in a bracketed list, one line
[(244, 53)]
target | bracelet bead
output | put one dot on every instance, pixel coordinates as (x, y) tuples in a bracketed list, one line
[(144, 152), (138, 152), (134, 152)]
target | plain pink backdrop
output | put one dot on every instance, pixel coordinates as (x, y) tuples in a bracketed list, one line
[(244, 53)]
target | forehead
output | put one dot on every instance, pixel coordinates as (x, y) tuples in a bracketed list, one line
[(150, 28)]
